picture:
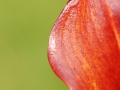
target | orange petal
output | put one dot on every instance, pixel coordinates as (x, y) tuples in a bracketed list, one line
[(84, 45)]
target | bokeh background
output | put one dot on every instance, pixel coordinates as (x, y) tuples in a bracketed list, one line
[(25, 26)]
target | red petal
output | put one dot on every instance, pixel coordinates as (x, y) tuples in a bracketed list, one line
[(84, 45)]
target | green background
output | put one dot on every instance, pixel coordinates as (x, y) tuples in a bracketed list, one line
[(25, 26)]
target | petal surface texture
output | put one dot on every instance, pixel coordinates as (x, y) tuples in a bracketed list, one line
[(84, 45)]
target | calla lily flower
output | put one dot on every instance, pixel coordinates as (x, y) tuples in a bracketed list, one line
[(84, 45)]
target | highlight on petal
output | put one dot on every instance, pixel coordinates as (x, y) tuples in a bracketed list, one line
[(84, 45)]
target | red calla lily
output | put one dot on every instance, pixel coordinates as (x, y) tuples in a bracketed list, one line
[(84, 45)]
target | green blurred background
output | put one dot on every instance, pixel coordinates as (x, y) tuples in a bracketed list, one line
[(25, 26)]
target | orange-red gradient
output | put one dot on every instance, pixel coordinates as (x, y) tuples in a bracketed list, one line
[(84, 45)]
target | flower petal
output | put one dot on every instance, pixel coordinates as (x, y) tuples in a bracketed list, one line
[(84, 45)]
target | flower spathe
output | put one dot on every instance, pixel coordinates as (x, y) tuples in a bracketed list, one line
[(84, 45)]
